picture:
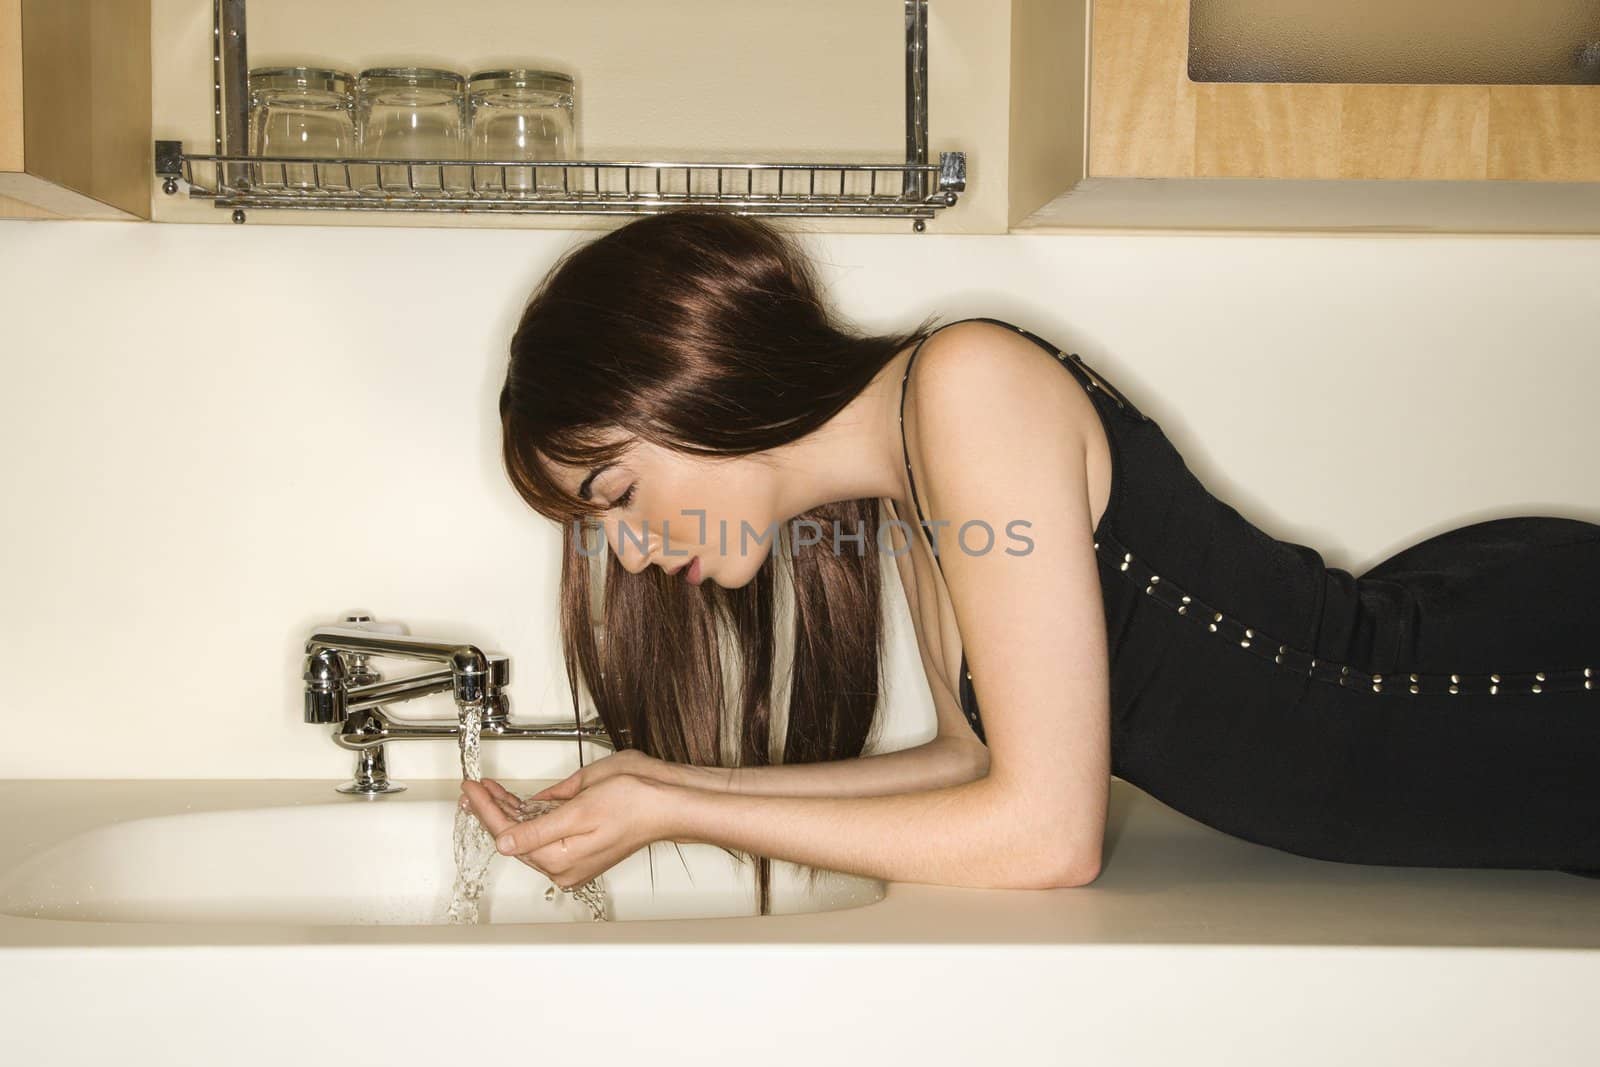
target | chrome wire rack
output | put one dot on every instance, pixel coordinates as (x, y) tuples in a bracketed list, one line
[(233, 178), (564, 186)]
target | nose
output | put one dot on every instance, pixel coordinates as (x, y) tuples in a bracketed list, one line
[(629, 553)]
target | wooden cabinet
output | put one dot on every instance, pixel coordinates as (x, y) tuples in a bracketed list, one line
[(75, 109), (1073, 115), (1150, 120), (1151, 148)]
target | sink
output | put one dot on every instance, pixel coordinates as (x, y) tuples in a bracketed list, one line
[(363, 862)]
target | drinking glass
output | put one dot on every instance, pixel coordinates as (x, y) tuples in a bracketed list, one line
[(411, 113), (520, 114), (301, 112)]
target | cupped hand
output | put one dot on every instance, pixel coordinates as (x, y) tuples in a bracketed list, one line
[(624, 761), (582, 838)]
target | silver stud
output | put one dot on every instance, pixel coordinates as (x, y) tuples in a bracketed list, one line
[(1097, 546), (1413, 677), (1539, 675), (1455, 689), (1493, 689), (1413, 689), (1537, 689), (1495, 678), (1127, 558), (1588, 684), (1588, 672), (1216, 619), (1377, 686), (1455, 677), (1377, 677)]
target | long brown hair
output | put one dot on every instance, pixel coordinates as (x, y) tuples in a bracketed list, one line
[(701, 331)]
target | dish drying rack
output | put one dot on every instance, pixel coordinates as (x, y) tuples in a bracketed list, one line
[(232, 178)]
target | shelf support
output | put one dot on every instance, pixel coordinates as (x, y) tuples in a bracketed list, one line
[(916, 183), (230, 67)]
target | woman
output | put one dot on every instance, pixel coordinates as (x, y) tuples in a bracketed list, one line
[(680, 382)]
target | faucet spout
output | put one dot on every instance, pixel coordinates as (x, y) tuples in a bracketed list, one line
[(342, 689), (472, 674)]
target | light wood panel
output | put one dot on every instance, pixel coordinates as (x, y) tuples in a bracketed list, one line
[(1049, 92), (75, 106), (1147, 119), (10, 85)]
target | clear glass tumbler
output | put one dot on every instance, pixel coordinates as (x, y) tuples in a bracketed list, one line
[(301, 112), (521, 115), (411, 113)]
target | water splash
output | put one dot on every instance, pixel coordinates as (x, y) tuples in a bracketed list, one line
[(473, 845)]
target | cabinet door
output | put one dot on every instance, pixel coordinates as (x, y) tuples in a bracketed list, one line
[(75, 109), (1150, 119)]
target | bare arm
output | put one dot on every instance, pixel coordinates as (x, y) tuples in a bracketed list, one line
[(978, 834), (943, 761)]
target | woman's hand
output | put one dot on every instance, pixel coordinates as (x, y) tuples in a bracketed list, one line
[(584, 837), (625, 761)]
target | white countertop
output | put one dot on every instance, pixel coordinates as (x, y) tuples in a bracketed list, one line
[(1166, 880), (1191, 947)]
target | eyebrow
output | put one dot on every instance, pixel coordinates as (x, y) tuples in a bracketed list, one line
[(583, 490)]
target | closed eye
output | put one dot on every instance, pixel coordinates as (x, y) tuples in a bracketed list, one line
[(626, 498)]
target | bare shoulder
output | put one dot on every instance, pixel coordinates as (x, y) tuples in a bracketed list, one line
[(977, 374)]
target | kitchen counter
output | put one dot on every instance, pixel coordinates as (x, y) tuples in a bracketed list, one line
[(1184, 924)]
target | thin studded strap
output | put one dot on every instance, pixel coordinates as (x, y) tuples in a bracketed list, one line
[(906, 452), (1090, 381)]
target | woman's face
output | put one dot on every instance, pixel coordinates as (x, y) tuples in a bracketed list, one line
[(667, 508)]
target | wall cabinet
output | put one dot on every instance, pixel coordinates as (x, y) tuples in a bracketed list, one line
[(1070, 115), (75, 109), (1161, 149)]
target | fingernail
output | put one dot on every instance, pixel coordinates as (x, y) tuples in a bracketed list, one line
[(465, 803), (505, 843)]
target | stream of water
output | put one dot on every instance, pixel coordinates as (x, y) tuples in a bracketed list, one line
[(474, 846)]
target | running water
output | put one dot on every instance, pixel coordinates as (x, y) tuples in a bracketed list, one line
[(474, 846)]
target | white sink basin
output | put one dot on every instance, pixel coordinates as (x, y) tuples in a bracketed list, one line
[(356, 862)]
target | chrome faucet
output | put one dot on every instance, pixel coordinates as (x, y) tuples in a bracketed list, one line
[(344, 690)]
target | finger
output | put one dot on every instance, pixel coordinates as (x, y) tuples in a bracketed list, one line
[(563, 865), (535, 833), (508, 801), (498, 791), (484, 807), (562, 790)]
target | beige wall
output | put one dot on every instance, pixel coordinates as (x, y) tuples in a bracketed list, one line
[(216, 437)]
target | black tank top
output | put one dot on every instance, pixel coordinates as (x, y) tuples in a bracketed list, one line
[(1441, 710)]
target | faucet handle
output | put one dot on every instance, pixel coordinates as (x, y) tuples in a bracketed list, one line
[(361, 620), (360, 671)]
